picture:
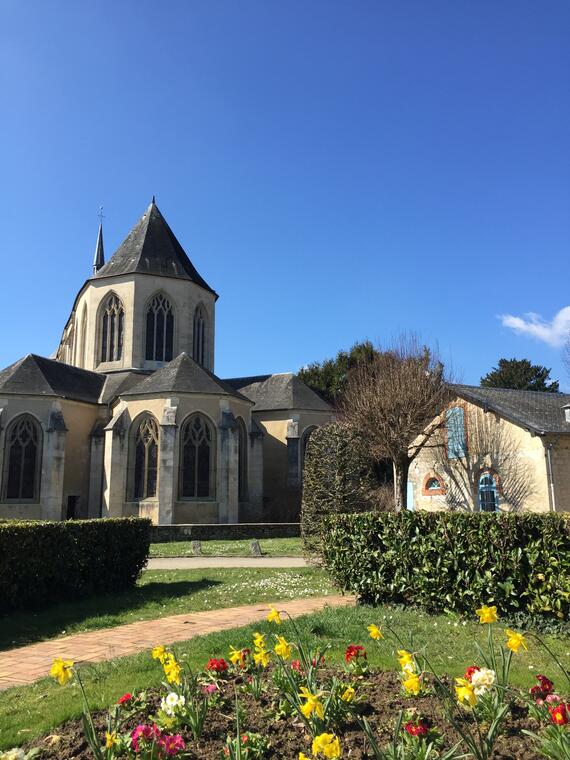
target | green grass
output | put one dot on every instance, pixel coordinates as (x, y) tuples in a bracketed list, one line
[(163, 592), (271, 547), (26, 712)]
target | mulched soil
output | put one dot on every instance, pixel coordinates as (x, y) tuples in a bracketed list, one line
[(381, 703)]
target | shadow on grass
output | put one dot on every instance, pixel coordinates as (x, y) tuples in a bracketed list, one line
[(102, 611)]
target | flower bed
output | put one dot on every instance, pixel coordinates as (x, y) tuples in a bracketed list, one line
[(275, 700)]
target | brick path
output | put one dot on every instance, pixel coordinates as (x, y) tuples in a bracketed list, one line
[(26, 664)]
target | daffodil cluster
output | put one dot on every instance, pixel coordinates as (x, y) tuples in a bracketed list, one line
[(170, 665)]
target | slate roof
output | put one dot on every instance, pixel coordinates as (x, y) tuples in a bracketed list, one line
[(183, 375), (37, 376), (152, 248), (536, 411), (117, 383), (276, 392)]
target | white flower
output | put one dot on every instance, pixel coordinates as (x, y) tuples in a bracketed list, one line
[(482, 680), (13, 754), (171, 702)]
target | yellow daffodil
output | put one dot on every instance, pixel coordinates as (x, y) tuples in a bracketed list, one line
[(259, 640), (283, 648), (302, 756), (515, 641), (312, 704), (110, 739), (412, 684), (327, 745), (172, 670), (348, 694), (62, 670), (487, 614), (261, 657), (375, 632), (159, 653), (406, 660), (236, 656), (464, 692), (274, 616)]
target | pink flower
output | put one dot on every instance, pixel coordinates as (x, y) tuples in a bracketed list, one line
[(209, 688), (144, 732), (296, 666), (172, 744), (553, 698)]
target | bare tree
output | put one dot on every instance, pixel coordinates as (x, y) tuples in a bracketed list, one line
[(390, 401), (492, 445)]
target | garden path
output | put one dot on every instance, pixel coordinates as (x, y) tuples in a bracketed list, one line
[(27, 664), (200, 563)]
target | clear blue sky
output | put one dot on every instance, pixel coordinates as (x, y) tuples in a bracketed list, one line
[(335, 170)]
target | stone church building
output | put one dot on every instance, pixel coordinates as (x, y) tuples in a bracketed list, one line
[(129, 418)]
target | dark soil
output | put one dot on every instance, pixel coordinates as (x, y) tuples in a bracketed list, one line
[(381, 702)]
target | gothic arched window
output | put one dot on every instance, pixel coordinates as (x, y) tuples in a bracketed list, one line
[(23, 459), (145, 471), (242, 460), (307, 432), (159, 329), (199, 343), (197, 459), (112, 327), (81, 358)]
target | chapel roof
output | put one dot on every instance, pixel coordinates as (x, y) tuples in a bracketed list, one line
[(276, 392), (182, 375), (537, 411), (152, 248), (37, 376)]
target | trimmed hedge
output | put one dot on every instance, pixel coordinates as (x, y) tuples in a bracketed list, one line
[(46, 562), (453, 561)]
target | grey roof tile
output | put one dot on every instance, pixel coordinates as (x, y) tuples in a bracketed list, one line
[(37, 376), (537, 411), (283, 391)]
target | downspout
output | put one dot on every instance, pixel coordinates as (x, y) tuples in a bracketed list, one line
[(549, 448)]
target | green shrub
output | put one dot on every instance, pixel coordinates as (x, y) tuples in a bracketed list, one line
[(337, 477), (46, 562), (453, 561)]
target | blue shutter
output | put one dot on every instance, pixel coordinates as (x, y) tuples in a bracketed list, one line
[(455, 421), (410, 499)]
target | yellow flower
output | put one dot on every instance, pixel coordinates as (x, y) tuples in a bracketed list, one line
[(62, 670), (159, 653), (302, 756), (312, 704), (487, 614), (261, 657), (259, 640), (375, 632), (110, 739), (348, 694), (406, 661), (464, 692), (327, 745), (274, 616), (412, 684), (172, 670), (515, 641), (235, 656), (282, 648)]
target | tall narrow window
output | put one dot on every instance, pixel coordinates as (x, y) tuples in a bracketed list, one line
[(159, 329), (23, 458), (455, 423), (146, 459), (199, 347), (307, 432), (197, 459), (81, 358), (242, 460), (112, 328), (488, 493)]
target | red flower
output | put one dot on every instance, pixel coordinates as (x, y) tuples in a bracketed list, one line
[(353, 652), (469, 672), (543, 689), (321, 661), (217, 666), (296, 666), (125, 698), (417, 729), (559, 714)]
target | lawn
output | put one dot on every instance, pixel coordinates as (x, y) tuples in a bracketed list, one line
[(42, 706), (163, 592), (270, 547)]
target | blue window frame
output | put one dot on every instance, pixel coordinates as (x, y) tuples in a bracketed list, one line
[(488, 493), (455, 423)]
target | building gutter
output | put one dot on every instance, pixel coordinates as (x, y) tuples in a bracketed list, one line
[(549, 448)]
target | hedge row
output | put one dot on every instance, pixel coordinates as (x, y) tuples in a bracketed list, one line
[(46, 562), (453, 561)]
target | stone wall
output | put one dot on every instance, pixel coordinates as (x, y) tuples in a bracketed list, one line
[(167, 533)]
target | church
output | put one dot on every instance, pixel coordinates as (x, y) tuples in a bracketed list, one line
[(128, 417)]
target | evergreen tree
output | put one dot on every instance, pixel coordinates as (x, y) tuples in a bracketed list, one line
[(520, 374), (328, 378)]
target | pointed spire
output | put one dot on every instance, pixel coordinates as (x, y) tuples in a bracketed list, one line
[(99, 259)]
